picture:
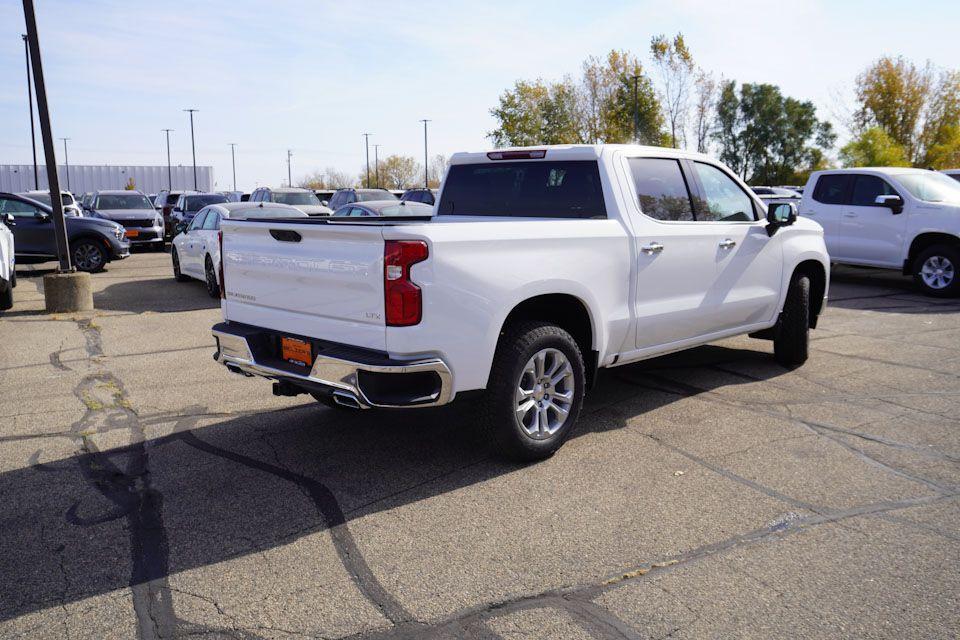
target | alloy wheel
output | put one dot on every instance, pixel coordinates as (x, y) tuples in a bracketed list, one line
[(545, 393), (87, 257), (937, 272)]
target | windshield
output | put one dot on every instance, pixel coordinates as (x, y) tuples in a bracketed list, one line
[(930, 186), (195, 203), (368, 196), (296, 197), (123, 201)]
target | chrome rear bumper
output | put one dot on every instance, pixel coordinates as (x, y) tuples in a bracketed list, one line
[(341, 378)]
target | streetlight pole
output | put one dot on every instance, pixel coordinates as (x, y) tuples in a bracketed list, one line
[(193, 148), (233, 161), (289, 174), (366, 138), (376, 163), (33, 136), (66, 159), (426, 179), (636, 111), (169, 171), (46, 134)]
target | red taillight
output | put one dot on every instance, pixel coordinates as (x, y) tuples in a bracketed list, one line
[(533, 154), (401, 297), (223, 291)]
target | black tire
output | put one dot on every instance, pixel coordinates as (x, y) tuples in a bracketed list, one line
[(947, 258), (517, 347), (792, 341), (88, 255), (13, 278), (6, 294), (210, 278), (175, 259)]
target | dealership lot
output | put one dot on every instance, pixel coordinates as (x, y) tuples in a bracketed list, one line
[(149, 493)]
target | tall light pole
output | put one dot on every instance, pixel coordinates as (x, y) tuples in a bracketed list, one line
[(233, 161), (289, 173), (426, 179), (376, 163), (46, 134), (66, 159), (33, 136), (636, 111), (169, 171), (366, 138), (193, 148)]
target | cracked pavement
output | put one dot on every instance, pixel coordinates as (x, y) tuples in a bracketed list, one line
[(148, 493)]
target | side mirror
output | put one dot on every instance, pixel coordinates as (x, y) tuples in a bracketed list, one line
[(180, 228), (892, 202), (325, 203), (8, 219), (781, 214)]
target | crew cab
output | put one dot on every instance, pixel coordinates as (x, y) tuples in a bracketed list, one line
[(539, 267), (890, 217)]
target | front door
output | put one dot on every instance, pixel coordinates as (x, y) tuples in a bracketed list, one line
[(33, 232), (749, 263), (871, 234), (190, 261)]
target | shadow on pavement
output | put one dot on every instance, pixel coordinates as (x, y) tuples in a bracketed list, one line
[(886, 290), (160, 295), (130, 517)]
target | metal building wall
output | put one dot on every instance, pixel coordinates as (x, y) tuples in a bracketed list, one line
[(83, 178)]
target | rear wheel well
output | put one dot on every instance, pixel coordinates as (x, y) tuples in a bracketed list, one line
[(925, 241), (818, 285), (567, 312)]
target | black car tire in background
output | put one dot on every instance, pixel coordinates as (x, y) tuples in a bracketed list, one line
[(88, 255), (6, 293)]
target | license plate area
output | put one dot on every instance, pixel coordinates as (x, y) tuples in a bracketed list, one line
[(296, 351)]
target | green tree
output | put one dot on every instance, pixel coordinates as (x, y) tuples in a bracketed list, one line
[(916, 106), (766, 137), (396, 172), (329, 178), (676, 70), (599, 107), (874, 148)]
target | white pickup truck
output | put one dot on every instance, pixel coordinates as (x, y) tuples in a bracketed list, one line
[(894, 218), (539, 267)]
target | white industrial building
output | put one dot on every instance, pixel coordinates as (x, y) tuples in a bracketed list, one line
[(83, 178)]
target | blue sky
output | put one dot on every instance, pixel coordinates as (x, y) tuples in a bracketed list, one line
[(314, 76)]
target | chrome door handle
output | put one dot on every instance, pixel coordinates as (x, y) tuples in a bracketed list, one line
[(653, 247), (849, 214), (727, 243)]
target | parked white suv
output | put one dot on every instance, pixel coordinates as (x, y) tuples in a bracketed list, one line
[(895, 218), (539, 267), (8, 273)]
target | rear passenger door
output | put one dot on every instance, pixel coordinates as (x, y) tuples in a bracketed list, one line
[(826, 207), (675, 256)]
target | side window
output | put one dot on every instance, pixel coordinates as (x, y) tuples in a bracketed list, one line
[(197, 221), (867, 188), (723, 199), (831, 188), (661, 189), (212, 223), (17, 209)]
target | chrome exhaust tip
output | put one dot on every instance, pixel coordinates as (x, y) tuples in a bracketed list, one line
[(346, 400)]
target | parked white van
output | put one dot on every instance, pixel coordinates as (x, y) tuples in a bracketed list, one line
[(891, 217)]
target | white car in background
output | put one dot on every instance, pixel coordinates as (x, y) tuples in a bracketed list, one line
[(196, 252), (70, 205), (303, 199), (8, 274), (892, 218)]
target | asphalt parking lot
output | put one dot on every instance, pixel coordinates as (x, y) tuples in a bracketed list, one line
[(149, 493)]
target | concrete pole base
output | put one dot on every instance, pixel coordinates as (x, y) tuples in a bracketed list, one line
[(66, 292)]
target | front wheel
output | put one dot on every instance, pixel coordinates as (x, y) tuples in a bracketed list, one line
[(89, 256), (536, 390), (935, 270), (792, 341), (177, 274)]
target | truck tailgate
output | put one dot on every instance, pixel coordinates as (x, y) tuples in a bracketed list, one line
[(319, 280)]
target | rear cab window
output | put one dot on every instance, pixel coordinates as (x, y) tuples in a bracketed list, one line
[(525, 189)]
